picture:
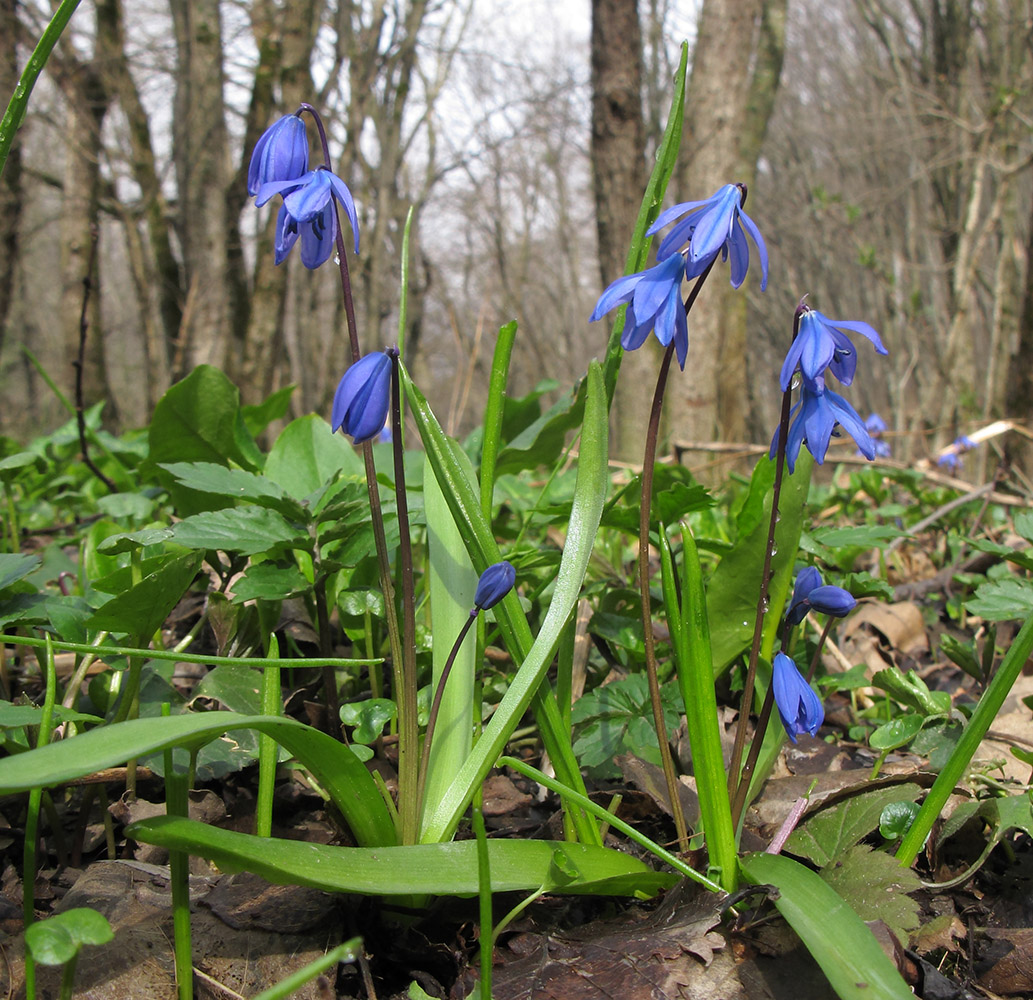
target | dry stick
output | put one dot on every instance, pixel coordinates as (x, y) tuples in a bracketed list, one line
[(80, 362)]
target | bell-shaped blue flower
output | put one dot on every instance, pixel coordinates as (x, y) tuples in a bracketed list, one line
[(876, 426), (495, 582), (362, 397), (810, 594), (308, 211), (710, 227), (814, 420), (654, 303), (820, 344), (799, 708), (281, 154)]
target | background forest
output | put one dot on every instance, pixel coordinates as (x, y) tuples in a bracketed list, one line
[(886, 144)]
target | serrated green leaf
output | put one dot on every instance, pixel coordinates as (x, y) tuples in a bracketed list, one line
[(235, 484), (1002, 600), (14, 566), (434, 869), (856, 966), (248, 530), (829, 834), (876, 886)]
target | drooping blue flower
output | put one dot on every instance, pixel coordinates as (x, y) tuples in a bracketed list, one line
[(810, 594), (799, 708), (654, 303), (495, 582), (308, 211), (362, 397), (820, 344), (281, 154), (814, 420), (876, 426), (713, 226)]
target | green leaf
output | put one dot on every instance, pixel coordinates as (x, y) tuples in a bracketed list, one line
[(57, 939), (196, 421), (142, 609), (368, 717), (731, 605), (307, 454), (542, 442), (419, 869), (14, 566), (1002, 600), (273, 407), (266, 582), (865, 536), (876, 887), (856, 966), (896, 733), (15, 716), (237, 688), (333, 765), (248, 530), (130, 541), (826, 836), (235, 484), (909, 689), (896, 819)]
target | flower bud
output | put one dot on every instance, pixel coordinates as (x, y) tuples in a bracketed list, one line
[(495, 582), (281, 154), (362, 397), (799, 708)]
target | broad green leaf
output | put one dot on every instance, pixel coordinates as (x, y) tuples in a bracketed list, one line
[(307, 454), (14, 716), (196, 421), (130, 541), (896, 733), (853, 961), (826, 836), (235, 484), (266, 582), (13, 464), (368, 718), (333, 765), (896, 818), (431, 869), (867, 536), (734, 589), (57, 939), (14, 566), (542, 442), (248, 530), (876, 887), (1002, 600), (273, 407), (142, 609), (237, 688), (453, 582)]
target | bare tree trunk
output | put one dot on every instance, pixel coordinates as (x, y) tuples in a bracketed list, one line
[(11, 180), (618, 173), (728, 105), (201, 158), (88, 98)]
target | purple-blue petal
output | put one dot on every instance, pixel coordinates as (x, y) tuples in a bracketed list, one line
[(362, 397)]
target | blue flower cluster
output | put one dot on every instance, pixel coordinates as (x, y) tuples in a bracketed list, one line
[(706, 229), (279, 166), (799, 708), (821, 347)]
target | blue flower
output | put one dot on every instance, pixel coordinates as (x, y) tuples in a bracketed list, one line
[(308, 211), (495, 582), (810, 594), (876, 426), (798, 706), (709, 227), (817, 414), (281, 154), (654, 298), (821, 344), (362, 397)]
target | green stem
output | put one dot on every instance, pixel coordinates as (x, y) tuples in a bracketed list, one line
[(15, 114), (618, 824), (487, 934), (272, 704), (68, 977), (177, 804)]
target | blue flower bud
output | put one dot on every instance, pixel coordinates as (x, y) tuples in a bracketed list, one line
[(281, 154), (362, 397), (830, 600), (495, 582), (799, 708), (810, 594)]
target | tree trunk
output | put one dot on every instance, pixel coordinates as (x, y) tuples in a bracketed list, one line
[(728, 105), (201, 159), (619, 176), (11, 180)]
